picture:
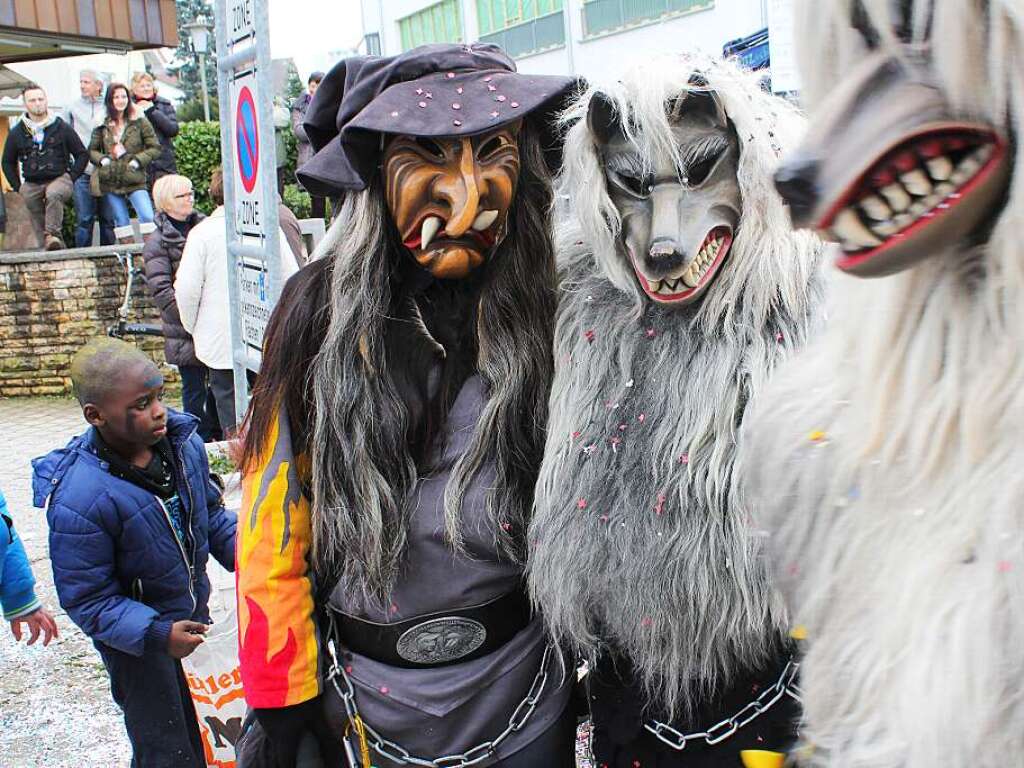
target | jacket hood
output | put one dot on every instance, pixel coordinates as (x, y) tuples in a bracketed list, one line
[(49, 470)]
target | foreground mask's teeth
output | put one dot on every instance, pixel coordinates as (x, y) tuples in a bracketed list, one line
[(916, 182), (430, 227), (850, 230), (484, 220), (875, 208), (897, 196), (940, 168)]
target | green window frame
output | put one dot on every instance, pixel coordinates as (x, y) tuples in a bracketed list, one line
[(438, 23), (521, 27), (605, 16)]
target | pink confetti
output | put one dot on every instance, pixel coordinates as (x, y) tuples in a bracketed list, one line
[(684, 458), (394, 608), (660, 506), (651, 333), (581, 504), (589, 335), (793, 569), (641, 418), (385, 690), (603, 518), (646, 621), (507, 526), (348, 670), (778, 337), (622, 427), (1004, 566), (575, 434)]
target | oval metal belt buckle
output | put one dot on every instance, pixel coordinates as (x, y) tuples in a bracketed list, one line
[(441, 640)]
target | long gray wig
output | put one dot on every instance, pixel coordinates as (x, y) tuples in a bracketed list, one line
[(640, 539), (898, 530), (363, 468)]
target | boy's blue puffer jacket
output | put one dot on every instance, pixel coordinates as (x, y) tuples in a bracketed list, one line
[(117, 565)]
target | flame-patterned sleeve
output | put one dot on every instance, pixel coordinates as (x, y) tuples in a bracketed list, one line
[(279, 644)]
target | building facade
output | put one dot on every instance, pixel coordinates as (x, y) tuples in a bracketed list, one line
[(593, 38)]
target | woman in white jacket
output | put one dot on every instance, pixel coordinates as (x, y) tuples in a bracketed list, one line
[(201, 290)]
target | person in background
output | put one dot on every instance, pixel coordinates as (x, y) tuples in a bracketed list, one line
[(201, 290), (121, 148), (289, 224), (174, 199), (84, 115), (51, 157), (318, 204), (282, 123), (161, 115), (17, 586), (134, 517)]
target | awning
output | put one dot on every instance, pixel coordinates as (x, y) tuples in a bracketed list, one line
[(11, 83), (752, 51)]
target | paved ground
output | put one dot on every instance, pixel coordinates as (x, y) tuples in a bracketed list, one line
[(55, 705)]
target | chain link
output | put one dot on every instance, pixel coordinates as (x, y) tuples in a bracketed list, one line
[(727, 728), (396, 753)]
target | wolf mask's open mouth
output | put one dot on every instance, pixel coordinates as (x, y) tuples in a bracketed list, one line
[(690, 280), (919, 182)]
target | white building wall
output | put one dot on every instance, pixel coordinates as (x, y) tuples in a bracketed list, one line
[(599, 57)]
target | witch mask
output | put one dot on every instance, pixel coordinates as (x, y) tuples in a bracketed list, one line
[(678, 214), (450, 197)]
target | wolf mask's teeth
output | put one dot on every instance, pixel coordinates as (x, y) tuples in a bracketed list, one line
[(897, 196), (916, 182), (850, 230), (940, 168)]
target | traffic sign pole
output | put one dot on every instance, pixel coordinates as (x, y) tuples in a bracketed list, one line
[(250, 180)]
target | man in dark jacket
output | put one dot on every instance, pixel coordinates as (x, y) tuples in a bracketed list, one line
[(305, 149), (133, 518), (51, 157), (160, 112)]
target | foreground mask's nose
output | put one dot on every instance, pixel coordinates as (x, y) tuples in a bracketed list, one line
[(797, 182)]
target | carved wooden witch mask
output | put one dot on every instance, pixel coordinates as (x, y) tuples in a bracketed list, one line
[(450, 197)]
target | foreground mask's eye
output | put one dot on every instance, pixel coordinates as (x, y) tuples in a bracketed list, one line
[(638, 186), (697, 173), (493, 146), (430, 147)]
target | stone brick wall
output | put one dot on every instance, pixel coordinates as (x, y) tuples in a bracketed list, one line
[(50, 305)]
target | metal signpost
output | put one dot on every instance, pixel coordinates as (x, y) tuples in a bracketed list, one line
[(250, 180)]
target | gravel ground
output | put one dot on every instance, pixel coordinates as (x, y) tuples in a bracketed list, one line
[(55, 705)]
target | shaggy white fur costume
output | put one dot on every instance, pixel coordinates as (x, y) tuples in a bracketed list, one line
[(640, 538), (887, 459)]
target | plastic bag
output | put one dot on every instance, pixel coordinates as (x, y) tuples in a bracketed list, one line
[(215, 682)]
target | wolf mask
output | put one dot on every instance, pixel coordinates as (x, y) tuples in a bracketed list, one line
[(639, 536), (884, 461)]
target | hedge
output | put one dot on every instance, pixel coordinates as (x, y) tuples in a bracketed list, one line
[(197, 149)]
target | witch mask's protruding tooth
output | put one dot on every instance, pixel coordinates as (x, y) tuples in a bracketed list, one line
[(916, 182), (897, 196), (484, 220), (431, 225), (940, 168), (850, 229)]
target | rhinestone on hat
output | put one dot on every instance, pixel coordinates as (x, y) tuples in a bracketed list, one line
[(514, 104), (450, 75), (456, 105), (423, 104), (495, 114), (459, 90), (499, 97), (492, 87), (456, 123)]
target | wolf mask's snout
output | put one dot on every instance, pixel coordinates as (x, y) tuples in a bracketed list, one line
[(797, 182), (664, 256)]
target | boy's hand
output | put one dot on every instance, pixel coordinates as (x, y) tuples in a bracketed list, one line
[(185, 637), (39, 621)]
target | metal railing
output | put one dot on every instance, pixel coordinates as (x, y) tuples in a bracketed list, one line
[(534, 36), (602, 16)]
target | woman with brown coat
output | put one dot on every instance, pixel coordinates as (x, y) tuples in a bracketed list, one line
[(121, 148)]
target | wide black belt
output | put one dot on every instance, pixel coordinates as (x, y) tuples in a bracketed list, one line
[(437, 639)]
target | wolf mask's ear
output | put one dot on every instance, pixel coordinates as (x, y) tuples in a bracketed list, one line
[(603, 119), (699, 102)]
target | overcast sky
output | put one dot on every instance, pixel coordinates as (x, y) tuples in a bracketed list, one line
[(308, 30)]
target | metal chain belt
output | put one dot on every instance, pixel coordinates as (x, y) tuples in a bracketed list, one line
[(398, 754), (719, 732)]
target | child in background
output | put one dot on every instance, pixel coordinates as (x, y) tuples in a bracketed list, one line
[(133, 518), (17, 586)]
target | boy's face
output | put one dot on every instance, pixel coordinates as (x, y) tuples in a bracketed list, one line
[(132, 413)]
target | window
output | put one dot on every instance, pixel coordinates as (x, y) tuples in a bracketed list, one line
[(373, 44), (521, 27), (440, 23), (600, 16)]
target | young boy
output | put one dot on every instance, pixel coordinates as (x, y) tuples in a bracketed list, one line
[(17, 586), (133, 517)]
